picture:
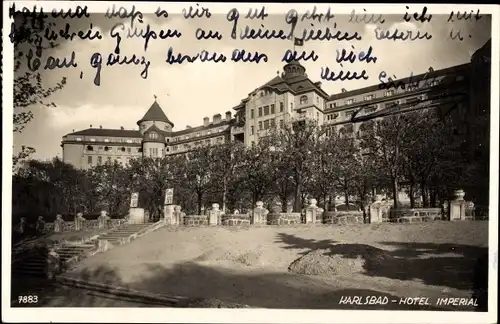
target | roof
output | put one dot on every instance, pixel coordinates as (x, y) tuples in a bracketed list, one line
[(155, 113), (154, 129), (200, 128), (420, 77), (296, 84), (108, 132)]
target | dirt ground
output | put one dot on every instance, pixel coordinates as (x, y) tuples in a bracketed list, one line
[(252, 266)]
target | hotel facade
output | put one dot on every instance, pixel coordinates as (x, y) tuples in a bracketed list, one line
[(287, 97)]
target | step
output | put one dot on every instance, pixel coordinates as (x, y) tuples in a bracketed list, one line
[(30, 272), (30, 268)]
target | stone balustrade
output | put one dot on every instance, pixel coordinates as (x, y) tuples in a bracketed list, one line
[(195, 220), (284, 218), (236, 219), (412, 215), (343, 217), (88, 225)]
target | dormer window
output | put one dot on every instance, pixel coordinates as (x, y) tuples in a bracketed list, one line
[(106, 148), (303, 100), (106, 140), (153, 135), (90, 148)]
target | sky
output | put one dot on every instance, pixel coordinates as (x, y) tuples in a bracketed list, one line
[(190, 91)]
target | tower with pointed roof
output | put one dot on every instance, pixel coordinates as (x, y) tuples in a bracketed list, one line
[(156, 130)]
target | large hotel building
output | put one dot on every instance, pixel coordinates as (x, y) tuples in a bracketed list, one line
[(288, 97)]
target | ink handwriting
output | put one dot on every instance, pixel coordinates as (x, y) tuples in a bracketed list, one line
[(354, 18), (197, 12), (420, 17), (255, 14), (290, 56), (464, 16), (381, 34), (352, 57), (328, 75), (147, 34)]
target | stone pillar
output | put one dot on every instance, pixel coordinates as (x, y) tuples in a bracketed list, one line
[(79, 221), (22, 225), (311, 211), (319, 215), (168, 212), (58, 224), (40, 225), (103, 219), (458, 206), (178, 215), (53, 264), (136, 216), (259, 214), (376, 209), (213, 215)]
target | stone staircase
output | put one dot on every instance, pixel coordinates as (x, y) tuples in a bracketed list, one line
[(123, 233), (35, 264)]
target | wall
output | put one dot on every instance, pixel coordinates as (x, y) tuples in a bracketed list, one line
[(73, 154)]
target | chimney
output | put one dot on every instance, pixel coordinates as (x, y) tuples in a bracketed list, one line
[(122, 128), (228, 116), (318, 84), (344, 90), (217, 118), (206, 121), (100, 126)]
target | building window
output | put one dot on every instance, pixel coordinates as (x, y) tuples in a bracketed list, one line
[(99, 160), (78, 139), (100, 148), (273, 122), (106, 140), (317, 99), (129, 149), (266, 110), (153, 135), (272, 109), (251, 114), (252, 130), (317, 115), (389, 93), (260, 111), (282, 123), (350, 101), (349, 113), (109, 159), (129, 141), (333, 105), (260, 125), (90, 148), (266, 124), (168, 140), (369, 97), (92, 139), (282, 106), (291, 105), (303, 100), (89, 160)]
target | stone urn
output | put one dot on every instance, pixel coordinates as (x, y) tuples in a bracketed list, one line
[(312, 202), (459, 194)]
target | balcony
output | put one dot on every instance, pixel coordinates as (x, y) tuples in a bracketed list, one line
[(237, 130)]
